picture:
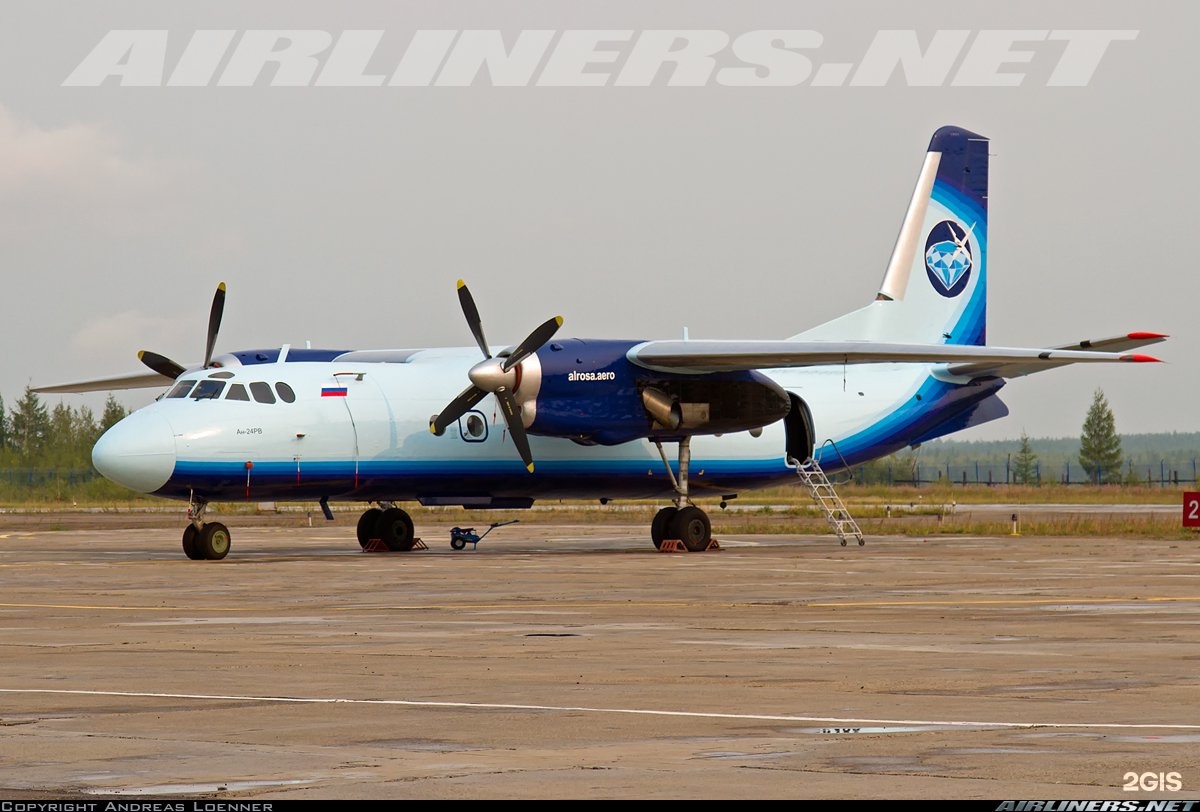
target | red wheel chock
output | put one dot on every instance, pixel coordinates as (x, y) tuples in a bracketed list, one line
[(676, 546), (377, 546)]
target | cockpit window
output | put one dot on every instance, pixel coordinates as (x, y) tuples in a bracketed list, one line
[(208, 390), (262, 392), (181, 389), (236, 392), (285, 392)]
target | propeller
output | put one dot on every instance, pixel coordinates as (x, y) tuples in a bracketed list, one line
[(170, 369), (496, 376)]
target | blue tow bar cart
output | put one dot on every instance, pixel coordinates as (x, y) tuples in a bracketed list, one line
[(460, 537)]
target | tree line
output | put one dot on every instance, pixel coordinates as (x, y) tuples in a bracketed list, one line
[(33, 435), (1099, 455)]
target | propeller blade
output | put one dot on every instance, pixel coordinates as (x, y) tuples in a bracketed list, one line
[(457, 408), (473, 321), (161, 364), (533, 342), (214, 322), (493, 374), (516, 428)]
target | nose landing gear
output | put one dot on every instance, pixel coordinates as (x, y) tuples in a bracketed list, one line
[(204, 541)]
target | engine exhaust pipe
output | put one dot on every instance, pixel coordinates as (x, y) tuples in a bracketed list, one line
[(662, 407)]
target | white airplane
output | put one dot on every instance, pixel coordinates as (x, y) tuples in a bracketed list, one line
[(581, 418)]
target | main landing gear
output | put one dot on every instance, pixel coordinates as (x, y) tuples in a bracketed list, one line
[(389, 524), (684, 521), (204, 540)]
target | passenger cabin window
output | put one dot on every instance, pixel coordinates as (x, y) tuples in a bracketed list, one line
[(181, 389), (206, 390), (236, 392), (285, 392), (262, 392), (221, 375)]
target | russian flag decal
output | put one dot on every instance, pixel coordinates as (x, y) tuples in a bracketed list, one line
[(333, 391)]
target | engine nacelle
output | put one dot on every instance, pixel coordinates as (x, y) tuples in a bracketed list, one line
[(590, 392)]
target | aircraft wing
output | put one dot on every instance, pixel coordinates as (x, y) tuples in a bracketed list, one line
[(139, 380), (1129, 341), (976, 361)]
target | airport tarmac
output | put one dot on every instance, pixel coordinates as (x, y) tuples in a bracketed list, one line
[(562, 662)]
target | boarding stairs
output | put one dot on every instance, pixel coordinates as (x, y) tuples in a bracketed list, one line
[(822, 492)]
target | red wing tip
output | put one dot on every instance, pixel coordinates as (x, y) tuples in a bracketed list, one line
[(1138, 358), (1143, 336)]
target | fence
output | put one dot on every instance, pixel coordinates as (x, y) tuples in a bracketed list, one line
[(1163, 474), (1166, 473), (46, 477)]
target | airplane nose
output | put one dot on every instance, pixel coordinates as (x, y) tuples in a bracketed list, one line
[(138, 452)]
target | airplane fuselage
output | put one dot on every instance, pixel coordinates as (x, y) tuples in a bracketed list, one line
[(358, 429)]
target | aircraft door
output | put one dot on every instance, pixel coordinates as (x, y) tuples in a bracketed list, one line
[(798, 431), (370, 418)]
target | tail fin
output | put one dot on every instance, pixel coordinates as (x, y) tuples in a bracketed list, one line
[(935, 287)]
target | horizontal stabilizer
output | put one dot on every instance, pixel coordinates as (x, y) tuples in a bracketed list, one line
[(729, 356)]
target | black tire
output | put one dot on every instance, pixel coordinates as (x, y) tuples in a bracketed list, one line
[(395, 528), (368, 526), (190, 547), (458, 544), (661, 526), (691, 526), (213, 541)]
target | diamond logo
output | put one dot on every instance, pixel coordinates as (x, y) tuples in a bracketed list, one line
[(948, 257)]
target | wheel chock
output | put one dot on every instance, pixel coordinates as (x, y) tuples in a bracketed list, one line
[(377, 546), (676, 546)]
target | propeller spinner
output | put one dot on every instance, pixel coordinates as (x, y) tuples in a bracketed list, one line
[(170, 369), (497, 376)]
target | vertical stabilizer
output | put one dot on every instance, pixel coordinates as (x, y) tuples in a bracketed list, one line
[(935, 286)]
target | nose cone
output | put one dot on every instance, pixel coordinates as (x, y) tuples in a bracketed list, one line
[(138, 452)]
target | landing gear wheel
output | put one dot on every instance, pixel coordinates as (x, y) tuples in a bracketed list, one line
[(212, 542), (691, 526), (190, 547), (458, 544), (395, 528), (661, 525), (368, 526)]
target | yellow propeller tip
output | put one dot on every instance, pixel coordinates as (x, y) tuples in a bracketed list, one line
[(140, 354), (530, 467), (461, 284), (559, 319), (221, 287)]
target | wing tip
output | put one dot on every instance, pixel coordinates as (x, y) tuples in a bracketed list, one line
[(1146, 336), (1139, 358)]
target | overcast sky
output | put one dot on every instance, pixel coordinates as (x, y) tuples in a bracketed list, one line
[(344, 215)]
